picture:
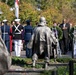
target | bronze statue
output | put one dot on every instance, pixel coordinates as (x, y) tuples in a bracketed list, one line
[(41, 41)]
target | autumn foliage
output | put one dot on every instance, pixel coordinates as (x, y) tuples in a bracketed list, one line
[(52, 10)]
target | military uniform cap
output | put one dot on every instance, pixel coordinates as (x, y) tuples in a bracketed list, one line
[(27, 21), (17, 20), (5, 20)]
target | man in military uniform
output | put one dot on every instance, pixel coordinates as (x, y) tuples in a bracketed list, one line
[(17, 36), (5, 29), (5, 59), (41, 41), (28, 30)]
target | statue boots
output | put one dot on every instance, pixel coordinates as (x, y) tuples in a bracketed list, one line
[(46, 62), (34, 63), (34, 59)]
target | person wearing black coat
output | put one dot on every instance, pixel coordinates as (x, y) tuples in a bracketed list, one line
[(64, 42)]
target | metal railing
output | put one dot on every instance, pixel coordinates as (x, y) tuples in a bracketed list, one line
[(69, 68), (54, 72)]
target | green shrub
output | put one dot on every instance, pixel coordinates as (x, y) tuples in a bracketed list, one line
[(63, 60), (46, 72), (27, 62)]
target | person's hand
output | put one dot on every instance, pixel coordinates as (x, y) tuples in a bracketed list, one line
[(56, 41), (64, 27)]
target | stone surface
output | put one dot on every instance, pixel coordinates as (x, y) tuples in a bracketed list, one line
[(17, 70), (22, 73), (15, 73)]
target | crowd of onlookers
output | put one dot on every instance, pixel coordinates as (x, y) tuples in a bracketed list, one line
[(17, 37)]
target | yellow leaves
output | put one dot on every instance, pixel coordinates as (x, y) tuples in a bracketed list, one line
[(7, 14), (27, 11), (52, 14)]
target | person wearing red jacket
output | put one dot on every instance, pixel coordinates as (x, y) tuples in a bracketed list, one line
[(11, 37)]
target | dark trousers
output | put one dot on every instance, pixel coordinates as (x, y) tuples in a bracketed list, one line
[(70, 44), (28, 51), (7, 43), (64, 45)]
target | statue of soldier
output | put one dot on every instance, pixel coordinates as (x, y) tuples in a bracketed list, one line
[(58, 34), (41, 41), (74, 39), (5, 60)]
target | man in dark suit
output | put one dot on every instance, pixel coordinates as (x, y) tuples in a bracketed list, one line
[(64, 42)]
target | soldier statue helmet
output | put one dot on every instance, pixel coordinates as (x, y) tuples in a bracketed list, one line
[(42, 21)]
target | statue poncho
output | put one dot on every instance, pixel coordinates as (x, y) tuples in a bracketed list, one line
[(41, 41)]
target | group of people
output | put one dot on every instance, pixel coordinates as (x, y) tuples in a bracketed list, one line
[(16, 34), (37, 41), (62, 33)]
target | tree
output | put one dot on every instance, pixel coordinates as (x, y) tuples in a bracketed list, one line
[(51, 15), (52, 9), (9, 2), (27, 11), (7, 14)]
